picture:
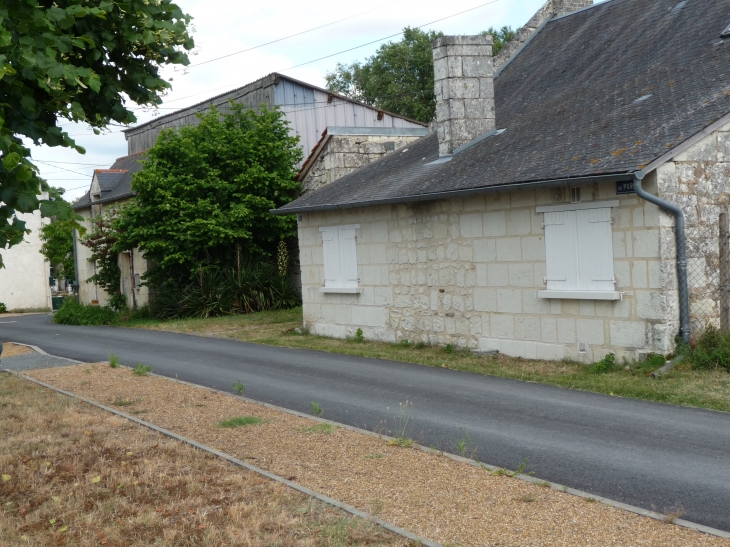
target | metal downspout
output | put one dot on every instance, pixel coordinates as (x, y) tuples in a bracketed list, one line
[(684, 326)]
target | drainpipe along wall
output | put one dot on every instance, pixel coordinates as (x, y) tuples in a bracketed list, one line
[(684, 326)]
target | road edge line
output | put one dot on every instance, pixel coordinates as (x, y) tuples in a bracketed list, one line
[(293, 485)]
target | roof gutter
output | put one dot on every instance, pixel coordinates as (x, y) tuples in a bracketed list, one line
[(458, 193), (684, 323)]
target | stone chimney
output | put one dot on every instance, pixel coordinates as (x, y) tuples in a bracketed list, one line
[(464, 88), (561, 7)]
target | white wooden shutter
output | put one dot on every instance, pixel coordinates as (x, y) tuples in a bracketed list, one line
[(595, 250), (331, 254), (561, 251), (348, 257), (339, 249)]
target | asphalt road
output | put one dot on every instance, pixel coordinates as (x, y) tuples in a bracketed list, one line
[(654, 456)]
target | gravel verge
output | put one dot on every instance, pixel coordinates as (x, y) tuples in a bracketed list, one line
[(435, 497)]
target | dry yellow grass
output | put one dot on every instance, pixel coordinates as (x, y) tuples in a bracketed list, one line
[(436, 497), (13, 350), (71, 474)]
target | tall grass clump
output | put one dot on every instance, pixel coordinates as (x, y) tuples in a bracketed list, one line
[(712, 350)]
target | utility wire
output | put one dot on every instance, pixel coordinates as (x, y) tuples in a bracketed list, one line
[(293, 35), (63, 168), (348, 50)]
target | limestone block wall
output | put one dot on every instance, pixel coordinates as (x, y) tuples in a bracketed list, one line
[(466, 272), (344, 154), (24, 279), (697, 180)]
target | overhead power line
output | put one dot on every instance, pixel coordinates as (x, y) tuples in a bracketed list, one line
[(293, 35), (346, 50)]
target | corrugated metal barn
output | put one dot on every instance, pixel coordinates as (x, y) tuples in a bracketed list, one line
[(309, 110)]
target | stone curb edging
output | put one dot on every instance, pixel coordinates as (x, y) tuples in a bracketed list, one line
[(240, 463), (491, 468)]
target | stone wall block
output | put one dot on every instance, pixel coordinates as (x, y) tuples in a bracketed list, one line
[(502, 326), (527, 328), (591, 331), (630, 334), (498, 275)]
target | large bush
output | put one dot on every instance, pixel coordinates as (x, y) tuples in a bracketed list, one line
[(73, 313), (205, 192)]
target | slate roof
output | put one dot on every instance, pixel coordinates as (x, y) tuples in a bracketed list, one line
[(570, 104), (115, 183)]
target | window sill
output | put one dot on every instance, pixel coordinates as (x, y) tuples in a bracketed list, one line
[(341, 290), (580, 295)]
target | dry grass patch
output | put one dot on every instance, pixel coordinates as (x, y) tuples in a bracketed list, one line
[(435, 497), (13, 350), (75, 475), (683, 386)]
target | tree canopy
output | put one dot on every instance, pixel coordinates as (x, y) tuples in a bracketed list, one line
[(57, 238), (399, 77), (205, 192), (74, 61)]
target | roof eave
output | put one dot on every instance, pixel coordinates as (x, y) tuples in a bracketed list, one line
[(621, 176)]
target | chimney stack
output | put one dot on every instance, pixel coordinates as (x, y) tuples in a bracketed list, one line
[(464, 88)]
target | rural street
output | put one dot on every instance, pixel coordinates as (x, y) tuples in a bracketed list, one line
[(651, 455)]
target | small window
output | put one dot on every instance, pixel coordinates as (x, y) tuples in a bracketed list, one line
[(579, 251), (339, 249)]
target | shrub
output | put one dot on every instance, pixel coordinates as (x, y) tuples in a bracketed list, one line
[(607, 364), (73, 313), (141, 369), (3, 308), (712, 350), (359, 337)]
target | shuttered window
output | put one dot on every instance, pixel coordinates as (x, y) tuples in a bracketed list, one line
[(339, 248), (579, 251)]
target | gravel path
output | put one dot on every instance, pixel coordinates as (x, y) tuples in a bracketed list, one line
[(436, 497)]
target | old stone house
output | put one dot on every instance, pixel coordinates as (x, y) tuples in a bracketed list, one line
[(342, 135), (550, 213)]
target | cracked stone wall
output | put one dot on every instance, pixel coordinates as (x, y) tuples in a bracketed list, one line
[(466, 272), (698, 180), (344, 154)]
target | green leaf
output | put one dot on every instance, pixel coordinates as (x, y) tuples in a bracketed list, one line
[(11, 161)]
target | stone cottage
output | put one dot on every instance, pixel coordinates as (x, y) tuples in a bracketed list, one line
[(550, 212)]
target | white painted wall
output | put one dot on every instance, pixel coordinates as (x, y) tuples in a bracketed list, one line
[(24, 279)]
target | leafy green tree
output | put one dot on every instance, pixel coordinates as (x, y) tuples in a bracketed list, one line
[(205, 192), (57, 238), (77, 61), (500, 37), (399, 77)]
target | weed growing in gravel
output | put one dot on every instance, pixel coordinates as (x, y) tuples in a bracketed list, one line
[(142, 370), (401, 442), (327, 429), (527, 498), (239, 387), (465, 447), (122, 402), (375, 456), (237, 421), (591, 500), (543, 484), (672, 514), (377, 507), (316, 409), (519, 471), (359, 338), (113, 360)]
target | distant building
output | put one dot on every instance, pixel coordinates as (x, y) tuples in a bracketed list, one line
[(24, 281), (341, 134)]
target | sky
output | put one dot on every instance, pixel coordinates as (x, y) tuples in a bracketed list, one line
[(222, 27)]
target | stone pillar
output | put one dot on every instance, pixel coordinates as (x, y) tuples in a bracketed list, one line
[(464, 88)]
